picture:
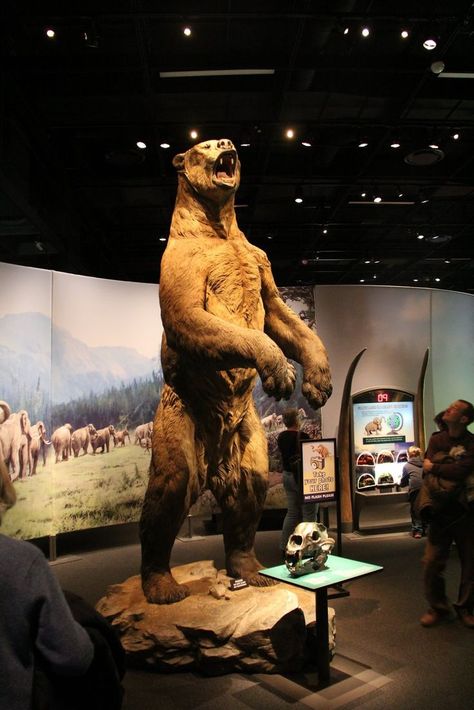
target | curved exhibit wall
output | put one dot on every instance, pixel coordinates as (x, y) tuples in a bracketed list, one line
[(397, 325), (75, 351)]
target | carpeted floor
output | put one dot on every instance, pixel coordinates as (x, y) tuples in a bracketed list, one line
[(384, 658)]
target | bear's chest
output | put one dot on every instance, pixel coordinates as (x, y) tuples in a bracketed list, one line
[(233, 285)]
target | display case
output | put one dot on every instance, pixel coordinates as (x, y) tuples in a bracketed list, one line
[(383, 427)]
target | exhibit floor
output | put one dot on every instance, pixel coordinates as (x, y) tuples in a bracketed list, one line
[(384, 659)]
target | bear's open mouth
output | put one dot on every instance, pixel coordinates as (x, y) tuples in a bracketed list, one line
[(224, 167)]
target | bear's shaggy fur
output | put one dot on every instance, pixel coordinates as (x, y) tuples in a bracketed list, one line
[(224, 322)]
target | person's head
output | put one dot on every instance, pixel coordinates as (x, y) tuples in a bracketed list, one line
[(459, 414), (413, 452), (290, 418), (7, 490)]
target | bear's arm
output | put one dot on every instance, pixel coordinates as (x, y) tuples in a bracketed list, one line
[(297, 341), (192, 330)]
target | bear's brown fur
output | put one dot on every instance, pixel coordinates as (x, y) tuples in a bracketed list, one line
[(224, 322)]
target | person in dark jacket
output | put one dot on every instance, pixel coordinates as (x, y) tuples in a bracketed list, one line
[(448, 467), (35, 619), (288, 446), (412, 476)]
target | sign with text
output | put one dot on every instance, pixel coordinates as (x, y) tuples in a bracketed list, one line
[(318, 462)]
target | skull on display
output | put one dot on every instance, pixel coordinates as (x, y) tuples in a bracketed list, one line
[(308, 548)]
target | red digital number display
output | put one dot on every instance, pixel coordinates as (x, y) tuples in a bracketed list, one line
[(382, 397)]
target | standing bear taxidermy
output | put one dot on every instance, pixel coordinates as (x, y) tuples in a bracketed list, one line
[(224, 323)]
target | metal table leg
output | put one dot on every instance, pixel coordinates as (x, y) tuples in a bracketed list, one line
[(322, 635)]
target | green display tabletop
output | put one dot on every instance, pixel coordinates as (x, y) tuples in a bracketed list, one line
[(336, 571)]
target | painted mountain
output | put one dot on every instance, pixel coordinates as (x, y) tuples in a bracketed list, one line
[(28, 345)]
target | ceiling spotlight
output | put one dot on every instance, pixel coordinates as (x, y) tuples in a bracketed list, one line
[(404, 34), (367, 261), (162, 239), (141, 145), (363, 194), (377, 199), (361, 281), (299, 195), (447, 261), (455, 136), (164, 145), (437, 67), (193, 134), (345, 31), (40, 246), (307, 144), (269, 236), (400, 194), (245, 145), (395, 144), (415, 280), (429, 44), (325, 231), (437, 279), (187, 31), (363, 143), (434, 146), (289, 133), (420, 236), (50, 33), (365, 32)]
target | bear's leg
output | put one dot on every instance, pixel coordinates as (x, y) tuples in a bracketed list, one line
[(241, 493), (172, 489)]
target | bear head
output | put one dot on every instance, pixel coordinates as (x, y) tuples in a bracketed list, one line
[(212, 168)]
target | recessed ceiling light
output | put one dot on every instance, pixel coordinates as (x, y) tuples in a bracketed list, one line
[(455, 136), (269, 236), (187, 31), (415, 280), (193, 134), (365, 32), (141, 145), (420, 236), (363, 194), (298, 200), (367, 261), (346, 31), (164, 145), (395, 144), (361, 281), (162, 239), (325, 231), (404, 34), (244, 145), (437, 279), (363, 144), (289, 133), (434, 146), (50, 33), (429, 44), (447, 261), (306, 144), (377, 199)]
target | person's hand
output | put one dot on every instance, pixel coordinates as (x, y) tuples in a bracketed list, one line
[(427, 465)]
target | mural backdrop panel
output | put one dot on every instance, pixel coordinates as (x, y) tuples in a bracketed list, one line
[(82, 355), (25, 384)]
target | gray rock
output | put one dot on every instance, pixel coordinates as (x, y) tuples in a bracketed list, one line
[(214, 630)]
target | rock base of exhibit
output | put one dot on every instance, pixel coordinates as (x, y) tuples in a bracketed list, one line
[(216, 630)]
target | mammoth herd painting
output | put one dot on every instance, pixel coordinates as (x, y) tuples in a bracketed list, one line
[(80, 382)]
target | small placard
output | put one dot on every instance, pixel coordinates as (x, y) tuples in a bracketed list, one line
[(238, 584)]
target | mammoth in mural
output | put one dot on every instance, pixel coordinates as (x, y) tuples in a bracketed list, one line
[(80, 439), (39, 444), (224, 323), (142, 432), (101, 439), (61, 440), (15, 440)]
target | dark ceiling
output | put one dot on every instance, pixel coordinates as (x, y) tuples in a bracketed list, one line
[(78, 195)]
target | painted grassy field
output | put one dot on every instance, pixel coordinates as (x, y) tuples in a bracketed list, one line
[(94, 491), (87, 492)]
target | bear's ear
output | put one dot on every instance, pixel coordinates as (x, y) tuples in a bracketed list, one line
[(178, 162)]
